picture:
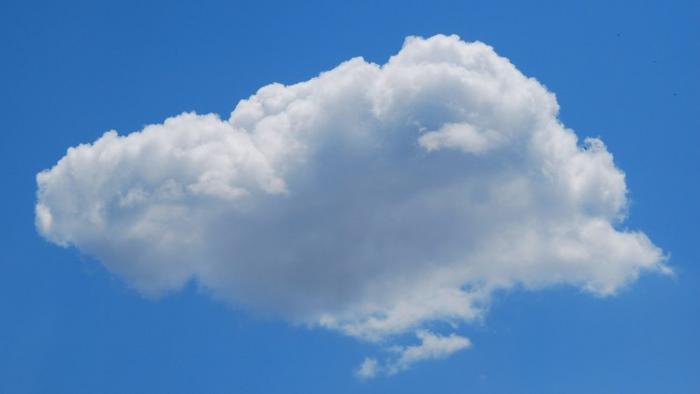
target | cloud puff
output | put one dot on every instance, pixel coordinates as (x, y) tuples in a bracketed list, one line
[(372, 199), (368, 369), (432, 346)]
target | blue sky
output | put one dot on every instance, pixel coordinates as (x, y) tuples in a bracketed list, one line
[(626, 74)]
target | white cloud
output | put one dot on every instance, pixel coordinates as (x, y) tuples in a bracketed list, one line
[(370, 199), (368, 369), (431, 347)]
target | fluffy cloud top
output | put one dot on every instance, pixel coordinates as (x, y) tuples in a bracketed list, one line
[(371, 199)]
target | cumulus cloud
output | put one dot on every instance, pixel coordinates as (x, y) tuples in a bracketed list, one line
[(432, 346), (372, 199)]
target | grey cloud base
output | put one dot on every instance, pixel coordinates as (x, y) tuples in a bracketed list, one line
[(370, 199)]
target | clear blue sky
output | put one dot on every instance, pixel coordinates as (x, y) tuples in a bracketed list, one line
[(624, 71)]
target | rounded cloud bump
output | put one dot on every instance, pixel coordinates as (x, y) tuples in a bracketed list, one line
[(371, 199)]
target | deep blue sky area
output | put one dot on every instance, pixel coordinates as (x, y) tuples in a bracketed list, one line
[(628, 72)]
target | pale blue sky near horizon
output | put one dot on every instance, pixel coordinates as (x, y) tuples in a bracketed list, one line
[(624, 72)]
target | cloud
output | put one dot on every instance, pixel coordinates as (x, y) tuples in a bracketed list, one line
[(368, 369), (432, 346), (372, 199)]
